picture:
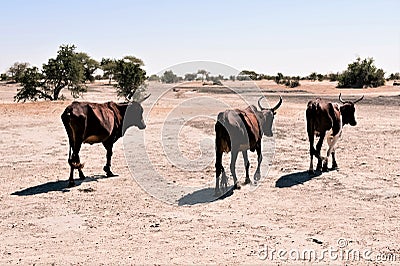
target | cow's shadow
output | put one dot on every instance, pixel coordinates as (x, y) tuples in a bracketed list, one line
[(60, 185), (204, 195), (294, 179)]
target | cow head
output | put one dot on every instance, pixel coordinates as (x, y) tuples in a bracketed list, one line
[(132, 114), (347, 111), (267, 116), (136, 115)]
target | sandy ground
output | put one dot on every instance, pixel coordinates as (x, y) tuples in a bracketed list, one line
[(113, 221)]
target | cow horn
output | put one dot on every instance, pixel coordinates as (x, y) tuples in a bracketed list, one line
[(278, 104), (340, 98), (259, 103), (362, 97), (145, 98)]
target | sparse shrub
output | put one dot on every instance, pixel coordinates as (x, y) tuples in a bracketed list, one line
[(279, 78), (169, 77), (294, 83), (251, 74), (313, 76), (242, 77), (333, 77), (394, 76), (361, 73), (190, 76), (320, 77), (154, 77), (16, 71)]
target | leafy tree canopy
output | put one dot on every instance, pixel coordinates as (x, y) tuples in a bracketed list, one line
[(64, 71), (361, 73)]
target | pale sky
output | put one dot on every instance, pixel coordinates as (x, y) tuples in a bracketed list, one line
[(292, 37)]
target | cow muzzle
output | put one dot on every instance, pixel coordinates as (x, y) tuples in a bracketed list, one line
[(141, 125), (269, 134)]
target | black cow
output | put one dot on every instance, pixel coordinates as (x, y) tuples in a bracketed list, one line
[(241, 130), (322, 116), (87, 122)]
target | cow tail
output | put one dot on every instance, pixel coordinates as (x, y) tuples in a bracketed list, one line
[(66, 119), (222, 139), (69, 155), (311, 113)]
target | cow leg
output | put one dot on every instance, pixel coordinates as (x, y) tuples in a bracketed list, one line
[(331, 140), (107, 167), (257, 174), (318, 150), (312, 152), (234, 154), (218, 170), (71, 181), (75, 163), (334, 164), (246, 166)]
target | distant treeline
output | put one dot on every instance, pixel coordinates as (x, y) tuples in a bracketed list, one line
[(72, 70), (359, 74)]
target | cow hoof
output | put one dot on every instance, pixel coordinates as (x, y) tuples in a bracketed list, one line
[(334, 167), (108, 171), (311, 172), (71, 184), (248, 181), (82, 176), (325, 168), (110, 174), (236, 186), (257, 177)]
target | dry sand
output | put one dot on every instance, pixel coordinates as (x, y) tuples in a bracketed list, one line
[(113, 221)]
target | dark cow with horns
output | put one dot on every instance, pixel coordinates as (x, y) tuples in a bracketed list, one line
[(87, 122), (325, 116), (241, 130)]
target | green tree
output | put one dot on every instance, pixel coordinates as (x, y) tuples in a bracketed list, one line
[(394, 76), (108, 66), (130, 78), (16, 71), (320, 77), (154, 77), (333, 76), (169, 77), (89, 66), (32, 86), (64, 71), (204, 74), (313, 76), (190, 76), (251, 74), (279, 78), (362, 73)]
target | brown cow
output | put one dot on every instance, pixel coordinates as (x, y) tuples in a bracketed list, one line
[(87, 122), (323, 116), (241, 130)]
